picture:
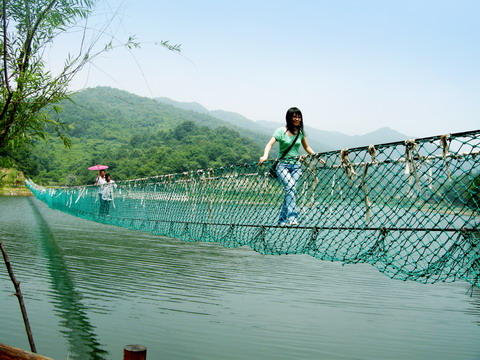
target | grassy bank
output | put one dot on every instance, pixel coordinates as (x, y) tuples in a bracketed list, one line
[(15, 191), (12, 183)]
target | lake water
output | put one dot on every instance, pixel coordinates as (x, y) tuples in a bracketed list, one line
[(90, 289)]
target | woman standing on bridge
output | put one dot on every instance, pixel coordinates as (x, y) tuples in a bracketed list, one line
[(288, 169)]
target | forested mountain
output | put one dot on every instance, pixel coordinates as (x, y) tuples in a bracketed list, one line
[(139, 137), (136, 137)]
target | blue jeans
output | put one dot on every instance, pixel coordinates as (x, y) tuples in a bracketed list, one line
[(288, 174)]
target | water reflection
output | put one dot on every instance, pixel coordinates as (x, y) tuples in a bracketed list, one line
[(78, 330), (203, 301), (475, 306)]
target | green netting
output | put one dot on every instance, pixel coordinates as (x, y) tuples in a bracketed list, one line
[(411, 209)]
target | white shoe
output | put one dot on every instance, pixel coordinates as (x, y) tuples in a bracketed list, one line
[(293, 223)]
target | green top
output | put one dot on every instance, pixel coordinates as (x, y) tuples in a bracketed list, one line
[(285, 141)]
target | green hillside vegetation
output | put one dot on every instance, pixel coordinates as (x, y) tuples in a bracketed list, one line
[(136, 137), (186, 147), (114, 114)]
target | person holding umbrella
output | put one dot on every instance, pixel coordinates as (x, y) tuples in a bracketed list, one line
[(100, 181)]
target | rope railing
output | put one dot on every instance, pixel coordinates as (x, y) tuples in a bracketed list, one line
[(411, 209)]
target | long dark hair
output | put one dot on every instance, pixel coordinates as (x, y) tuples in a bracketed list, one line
[(289, 117)]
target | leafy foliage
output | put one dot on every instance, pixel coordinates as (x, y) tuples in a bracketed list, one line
[(185, 147), (30, 94), (27, 26)]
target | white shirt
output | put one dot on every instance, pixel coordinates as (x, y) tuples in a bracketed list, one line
[(100, 181), (107, 188)]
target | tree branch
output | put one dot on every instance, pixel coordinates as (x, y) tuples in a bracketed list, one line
[(27, 48), (19, 295), (5, 51)]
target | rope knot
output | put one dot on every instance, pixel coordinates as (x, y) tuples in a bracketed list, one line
[(410, 169), (445, 142), (373, 152), (347, 165)]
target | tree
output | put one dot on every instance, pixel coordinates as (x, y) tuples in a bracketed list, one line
[(30, 92), (27, 26)]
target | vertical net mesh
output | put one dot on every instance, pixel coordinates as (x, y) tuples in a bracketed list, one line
[(411, 209)]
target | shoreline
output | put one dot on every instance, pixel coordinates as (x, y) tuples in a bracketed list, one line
[(15, 191)]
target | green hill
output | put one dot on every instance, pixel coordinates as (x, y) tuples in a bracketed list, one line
[(139, 137), (136, 137)]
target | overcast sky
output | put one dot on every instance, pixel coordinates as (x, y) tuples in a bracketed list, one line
[(351, 66)]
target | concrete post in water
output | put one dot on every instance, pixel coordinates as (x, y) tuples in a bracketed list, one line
[(135, 352)]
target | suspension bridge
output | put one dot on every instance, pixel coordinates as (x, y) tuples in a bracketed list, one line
[(409, 208)]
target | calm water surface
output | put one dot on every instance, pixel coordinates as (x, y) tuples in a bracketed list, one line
[(91, 289)]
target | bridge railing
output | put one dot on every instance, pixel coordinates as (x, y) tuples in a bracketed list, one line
[(409, 208)]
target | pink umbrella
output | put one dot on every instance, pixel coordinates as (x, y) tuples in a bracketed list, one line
[(98, 167)]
